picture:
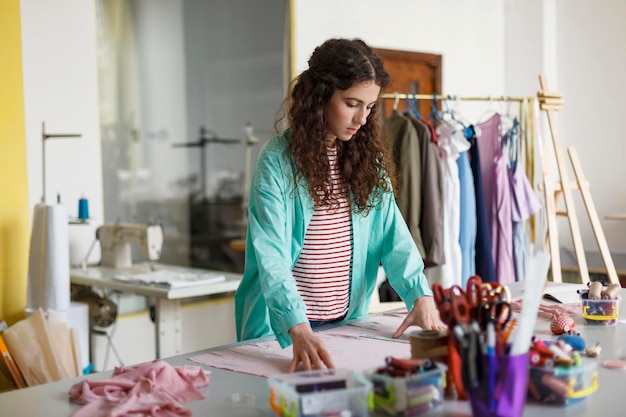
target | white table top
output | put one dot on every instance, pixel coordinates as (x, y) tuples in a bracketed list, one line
[(235, 394), (103, 278)]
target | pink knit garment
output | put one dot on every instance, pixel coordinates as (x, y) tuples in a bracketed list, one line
[(151, 389)]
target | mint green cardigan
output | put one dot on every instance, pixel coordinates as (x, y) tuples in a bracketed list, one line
[(267, 301)]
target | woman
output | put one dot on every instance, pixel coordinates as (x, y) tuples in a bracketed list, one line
[(322, 214)]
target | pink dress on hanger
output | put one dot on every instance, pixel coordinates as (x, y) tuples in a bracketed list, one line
[(497, 191)]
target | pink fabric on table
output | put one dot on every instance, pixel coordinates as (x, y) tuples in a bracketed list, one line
[(152, 389), (347, 345)]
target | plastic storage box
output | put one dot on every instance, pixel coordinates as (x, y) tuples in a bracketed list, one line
[(332, 392), (561, 385), (410, 395), (601, 311)]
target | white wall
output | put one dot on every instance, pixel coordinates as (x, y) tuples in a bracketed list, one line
[(591, 56), (473, 53), (60, 89)]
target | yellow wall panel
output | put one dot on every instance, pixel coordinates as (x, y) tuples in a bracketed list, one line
[(14, 214)]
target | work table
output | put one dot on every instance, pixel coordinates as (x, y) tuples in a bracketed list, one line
[(236, 394)]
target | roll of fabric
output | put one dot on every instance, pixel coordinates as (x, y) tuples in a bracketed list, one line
[(49, 261)]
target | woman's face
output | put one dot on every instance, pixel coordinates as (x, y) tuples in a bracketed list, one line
[(348, 109)]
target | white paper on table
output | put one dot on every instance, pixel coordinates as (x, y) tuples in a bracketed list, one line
[(172, 279)]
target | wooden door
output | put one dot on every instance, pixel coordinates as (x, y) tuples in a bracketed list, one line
[(411, 72)]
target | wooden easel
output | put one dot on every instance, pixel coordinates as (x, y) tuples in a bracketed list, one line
[(550, 102)]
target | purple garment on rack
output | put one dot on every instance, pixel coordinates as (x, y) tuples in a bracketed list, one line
[(502, 225), (489, 143), (525, 201)]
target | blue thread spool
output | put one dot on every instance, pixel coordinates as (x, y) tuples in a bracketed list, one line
[(83, 209)]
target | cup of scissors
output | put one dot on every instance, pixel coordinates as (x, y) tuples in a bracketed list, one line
[(479, 321)]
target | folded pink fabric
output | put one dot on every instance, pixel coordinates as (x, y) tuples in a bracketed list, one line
[(151, 389)]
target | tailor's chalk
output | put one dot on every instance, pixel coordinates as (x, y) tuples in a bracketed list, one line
[(614, 363)]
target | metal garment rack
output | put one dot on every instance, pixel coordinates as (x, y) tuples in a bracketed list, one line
[(448, 97), (550, 102)]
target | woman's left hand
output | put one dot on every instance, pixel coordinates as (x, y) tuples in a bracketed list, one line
[(424, 314)]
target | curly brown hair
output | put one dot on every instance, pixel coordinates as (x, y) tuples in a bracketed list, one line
[(364, 161)]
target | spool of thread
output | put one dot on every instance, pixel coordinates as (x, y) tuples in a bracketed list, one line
[(612, 292), (595, 290), (83, 208), (429, 344), (556, 385)]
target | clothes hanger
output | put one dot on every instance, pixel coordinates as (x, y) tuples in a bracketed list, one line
[(488, 114), (434, 115), (408, 104), (396, 100), (416, 111), (455, 116), (506, 119)]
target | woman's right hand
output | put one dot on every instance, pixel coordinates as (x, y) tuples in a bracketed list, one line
[(308, 350)]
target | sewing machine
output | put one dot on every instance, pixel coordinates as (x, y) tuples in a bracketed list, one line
[(115, 240)]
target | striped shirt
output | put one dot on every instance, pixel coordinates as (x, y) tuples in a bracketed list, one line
[(322, 272)]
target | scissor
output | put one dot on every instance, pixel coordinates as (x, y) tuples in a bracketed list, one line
[(497, 312), (460, 305), (443, 299), (473, 293), (492, 291), (466, 333)]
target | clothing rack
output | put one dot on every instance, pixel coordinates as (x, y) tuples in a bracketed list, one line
[(448, 97), (550, 102)]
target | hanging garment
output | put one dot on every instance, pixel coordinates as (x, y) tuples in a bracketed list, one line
[(451, 143), (467, 216), (431, 222), (489, 145), (502, 224), (496, 188), (484, 258), (404, 145), (524, 201)]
